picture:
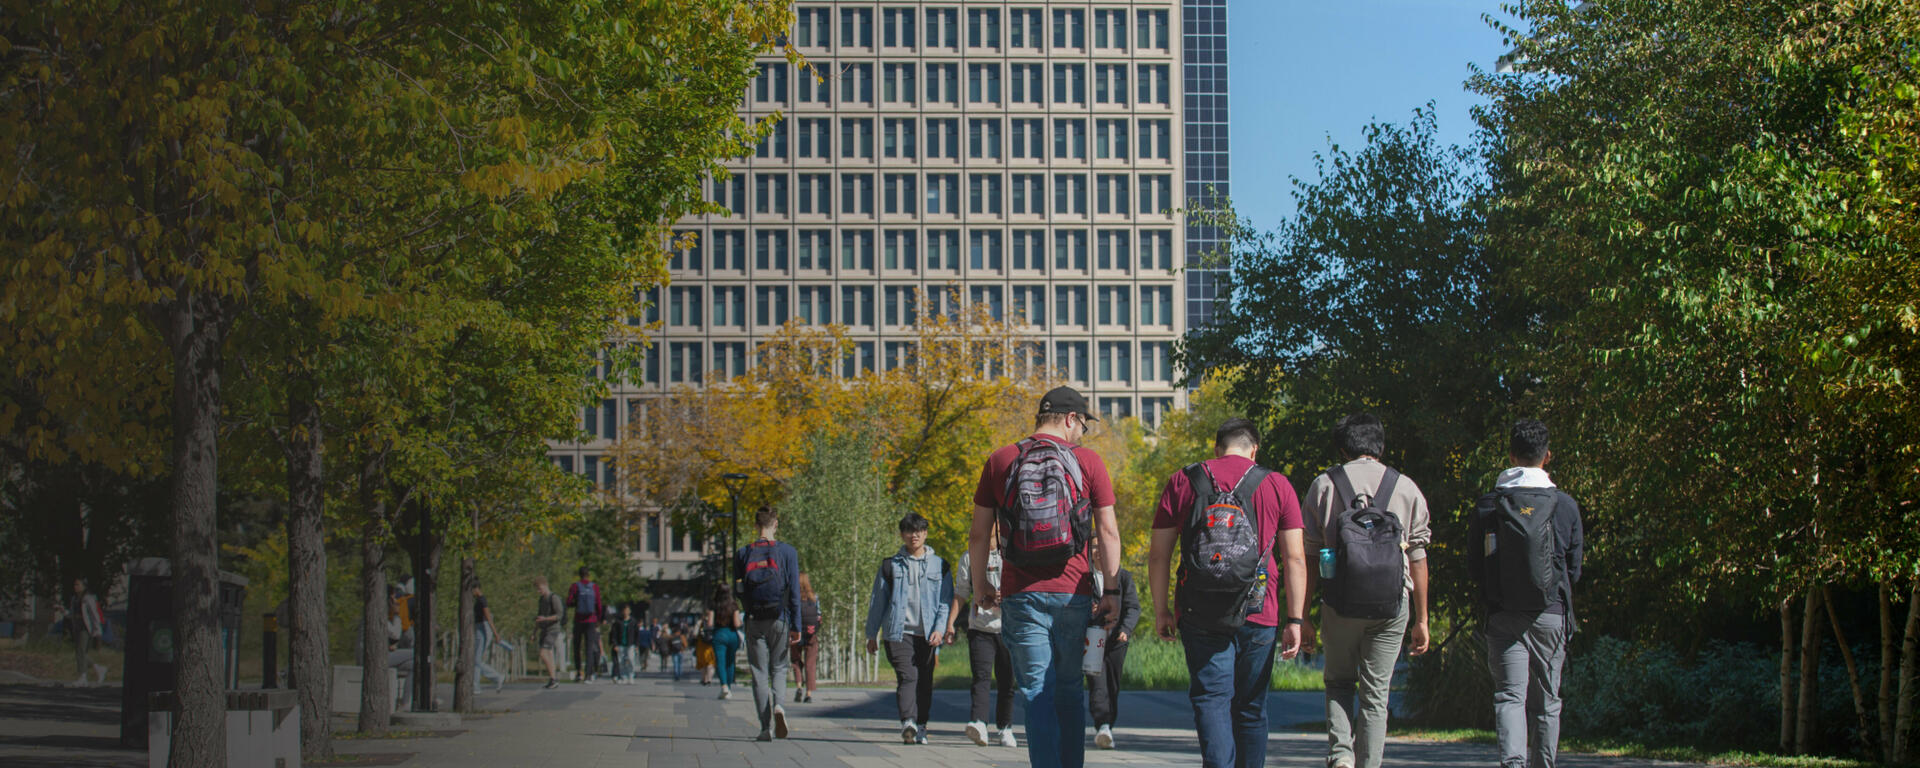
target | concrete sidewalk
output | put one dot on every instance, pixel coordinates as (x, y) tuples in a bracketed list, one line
[(657, 723)]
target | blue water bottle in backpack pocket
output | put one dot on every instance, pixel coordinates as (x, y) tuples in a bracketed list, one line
[(1326, 563)]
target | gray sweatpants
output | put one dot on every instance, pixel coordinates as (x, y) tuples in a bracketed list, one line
[(1525, 651), (767, 656), (1359, 655)]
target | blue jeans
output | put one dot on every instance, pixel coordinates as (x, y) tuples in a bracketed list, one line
[(1229, 675), (1046, 634), (726, 642)]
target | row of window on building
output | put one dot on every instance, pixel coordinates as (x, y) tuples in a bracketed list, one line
[(1107, 362), (942, 194), (1012, 85), (990, 140), (868, 308), (933, 251), (935, 28)]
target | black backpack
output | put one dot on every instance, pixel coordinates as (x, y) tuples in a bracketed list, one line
[(1518, 540), (763, 584), (1221, 575), (1048, 518), (1370, 565)]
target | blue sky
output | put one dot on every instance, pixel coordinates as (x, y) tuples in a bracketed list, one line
[(1301, 71)]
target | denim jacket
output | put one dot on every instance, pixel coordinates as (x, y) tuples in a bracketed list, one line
[(889, 600)]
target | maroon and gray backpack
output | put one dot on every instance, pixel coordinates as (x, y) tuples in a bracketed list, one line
[(1222, 580), (1046, 517)]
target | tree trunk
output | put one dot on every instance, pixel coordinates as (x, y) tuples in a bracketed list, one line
[(1786, 674), (1887, 662), (195, 335), (376, 700), (1909, 680), (1853, 673), (1809, 673), (311, 661), (463, 682)]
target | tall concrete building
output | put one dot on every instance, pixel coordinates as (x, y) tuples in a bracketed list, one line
[(1030, 155)]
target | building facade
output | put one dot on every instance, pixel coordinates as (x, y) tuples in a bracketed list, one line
[(1030, 156)]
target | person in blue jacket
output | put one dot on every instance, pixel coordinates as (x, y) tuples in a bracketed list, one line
[(912, 593)]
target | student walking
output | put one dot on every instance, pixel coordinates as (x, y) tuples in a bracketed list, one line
[(1524, 547), (1369, 525), (992, 665), (673, 650), (585, 599), (624, 636), (703, 651), (806, 653), (768, 571), (86, 623), (1103, 689), (912, 590), (1050, 498), (483, 639), (1231, 517), (723, 614), (643, 639), (548, 611)]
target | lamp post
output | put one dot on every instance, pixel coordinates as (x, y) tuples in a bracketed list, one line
[(733, 481)]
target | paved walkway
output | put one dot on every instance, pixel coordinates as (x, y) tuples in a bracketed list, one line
[(657, 723)]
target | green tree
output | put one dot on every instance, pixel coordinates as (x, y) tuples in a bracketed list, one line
[(840, 516)]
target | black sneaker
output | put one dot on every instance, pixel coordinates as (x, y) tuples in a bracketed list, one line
[(551, 683)]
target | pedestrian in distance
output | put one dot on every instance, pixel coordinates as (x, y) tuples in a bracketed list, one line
[(624, 636), (992, 666), (673, 650), (703, 657), (548, 612), (806, 653), (723, 614), (87, 624), (585, 599), (643, 639), (1524, 546), (1369, 526), (768, 574), (1103, 689), (484, 637), (1238, 528), (1050, 498), (912, 593)]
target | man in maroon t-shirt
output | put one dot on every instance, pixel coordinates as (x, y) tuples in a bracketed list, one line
[(1231, 671), (1045, 610)]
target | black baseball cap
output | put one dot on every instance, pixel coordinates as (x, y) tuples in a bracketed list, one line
[(1066, 400)]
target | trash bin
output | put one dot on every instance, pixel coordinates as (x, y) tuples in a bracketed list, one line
[(151, 641)]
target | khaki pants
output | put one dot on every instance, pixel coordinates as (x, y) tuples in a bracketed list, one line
[(1359, 655)]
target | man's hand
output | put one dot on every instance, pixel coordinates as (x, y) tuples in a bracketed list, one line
[(1420, 640), (1120, 638), (1290, 641), (1110, 611), (952, 636), (1307, 637), (872, 645), (937, 639), (986, 597), (1165, 625), (793, 637)]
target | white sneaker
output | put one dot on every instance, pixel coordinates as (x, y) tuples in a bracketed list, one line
[(725, 693), (1006, 737), (977, 731), (921, 738), (908, 732), (100, 670), (1103, 738), (82, 682)]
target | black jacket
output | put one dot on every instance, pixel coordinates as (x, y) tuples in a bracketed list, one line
[(1129, 605)]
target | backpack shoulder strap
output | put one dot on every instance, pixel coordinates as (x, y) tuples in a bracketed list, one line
[(1343, 487), (1200, 484), (1383, 495), (1257, 474)]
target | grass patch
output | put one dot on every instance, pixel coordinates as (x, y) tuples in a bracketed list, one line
[(1152, 665), (390, 734), (1617, 748)]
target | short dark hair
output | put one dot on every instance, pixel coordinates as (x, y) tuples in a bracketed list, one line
[(914, 523), (583, 571), (765, 517), (1528, 441), (1360, 434), (1237, 433), (1050, 420)]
